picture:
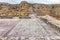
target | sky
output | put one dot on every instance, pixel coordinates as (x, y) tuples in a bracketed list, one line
[(32, 1)]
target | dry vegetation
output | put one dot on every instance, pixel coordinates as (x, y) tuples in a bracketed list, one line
[(25, 8)]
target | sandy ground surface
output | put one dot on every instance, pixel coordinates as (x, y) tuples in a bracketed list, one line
[(27, 28), (52, 20), (33, 28), (6, 25)]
